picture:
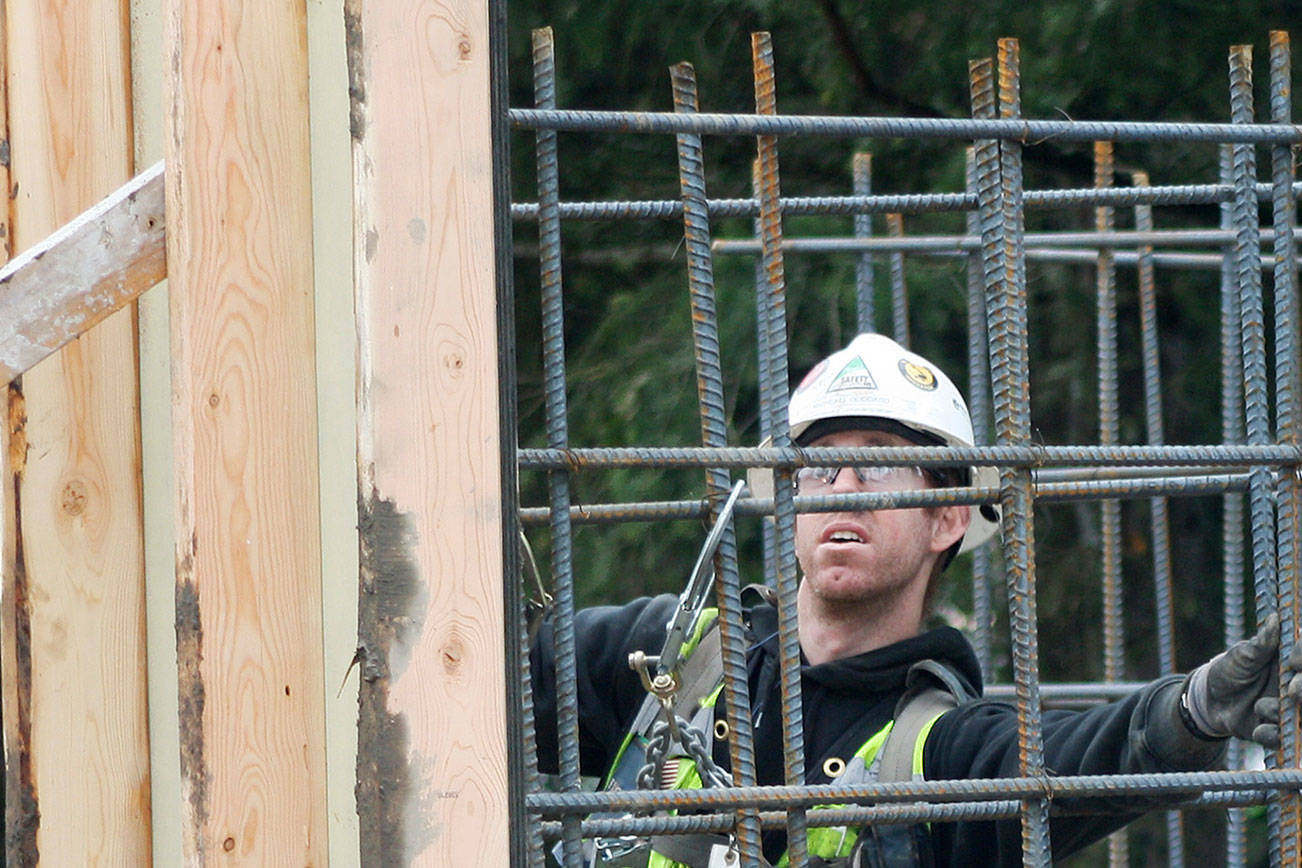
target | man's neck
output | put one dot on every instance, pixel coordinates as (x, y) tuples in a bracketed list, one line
[(832, 632)]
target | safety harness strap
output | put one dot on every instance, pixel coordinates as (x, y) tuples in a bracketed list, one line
[(912, 716)]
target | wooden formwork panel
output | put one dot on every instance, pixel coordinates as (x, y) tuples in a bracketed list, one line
[(244, 417), (432, 769), (76, 580)]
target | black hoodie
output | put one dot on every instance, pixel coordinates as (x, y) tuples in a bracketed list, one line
[(844, 703)]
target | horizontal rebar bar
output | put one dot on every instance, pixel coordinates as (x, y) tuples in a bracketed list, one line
[(1071, 692), (1030, 132), (865, 501), (665, 824), (901, 203), (1222, 455), (968, 243), (969, 790)]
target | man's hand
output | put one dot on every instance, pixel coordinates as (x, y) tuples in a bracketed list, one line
[(1237, 691)]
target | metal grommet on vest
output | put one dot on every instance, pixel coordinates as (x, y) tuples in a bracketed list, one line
[(721, 730), (833, 767)]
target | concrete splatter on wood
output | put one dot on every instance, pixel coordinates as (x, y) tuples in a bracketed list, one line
[(391, 604), (189, 660), (22, 814)]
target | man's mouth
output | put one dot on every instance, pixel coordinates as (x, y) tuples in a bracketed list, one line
[(845, 536)]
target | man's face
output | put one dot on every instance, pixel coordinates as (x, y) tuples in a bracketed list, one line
[(872, 557)]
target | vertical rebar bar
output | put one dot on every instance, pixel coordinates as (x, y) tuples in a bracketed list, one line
[(783, 505), (533, 842), (1109, 435), (714, 432), (1284, 208), (1109, 421), (899, 289), (1160, 520), (1012, 405), (865, 303), (1247, 248), (979, 407), (763, 316), (1232, 502), (553, 328)]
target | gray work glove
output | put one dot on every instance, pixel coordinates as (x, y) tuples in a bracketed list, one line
[(1237, 691)]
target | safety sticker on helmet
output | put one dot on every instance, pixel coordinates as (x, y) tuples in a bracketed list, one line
[(919, 375), (854, 375)]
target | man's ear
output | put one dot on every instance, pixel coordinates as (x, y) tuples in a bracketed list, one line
[(949, 526)]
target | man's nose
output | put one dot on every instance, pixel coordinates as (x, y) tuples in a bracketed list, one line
[(846, 480)]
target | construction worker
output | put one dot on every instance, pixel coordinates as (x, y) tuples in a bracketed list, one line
[(867, 582)]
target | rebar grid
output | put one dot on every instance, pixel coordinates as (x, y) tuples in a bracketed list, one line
[(995, 246)]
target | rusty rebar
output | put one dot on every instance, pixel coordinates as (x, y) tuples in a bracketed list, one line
[(714, 432), (784, 512), (1109, 423), (1288, 505)]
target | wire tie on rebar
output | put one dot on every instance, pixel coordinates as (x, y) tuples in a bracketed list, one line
[(1046, 781), (1049, 136), (573, 463)]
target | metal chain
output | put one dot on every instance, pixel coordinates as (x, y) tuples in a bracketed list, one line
[(693, 742)]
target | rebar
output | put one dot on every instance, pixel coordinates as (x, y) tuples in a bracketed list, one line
[(1289, 507), (784, 511), (979, 407), (1109, 423), (1012, 403), (1160, 522), (865, 303), (942, 792), (1007, 129), (903, 203), (1232, 503), (1062, 492), (952, 244), (1253, 337), (995, 247), (553, 324), (714, 432), (1005, 455)]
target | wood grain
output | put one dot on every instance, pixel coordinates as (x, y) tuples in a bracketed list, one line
[(247, 514), (432, 753), (79, 498)]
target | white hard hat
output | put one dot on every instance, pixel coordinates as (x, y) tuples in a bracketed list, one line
[(876, 378)]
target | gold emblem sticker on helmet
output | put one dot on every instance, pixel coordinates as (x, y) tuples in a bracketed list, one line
[(919, 375), (854, 375)]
